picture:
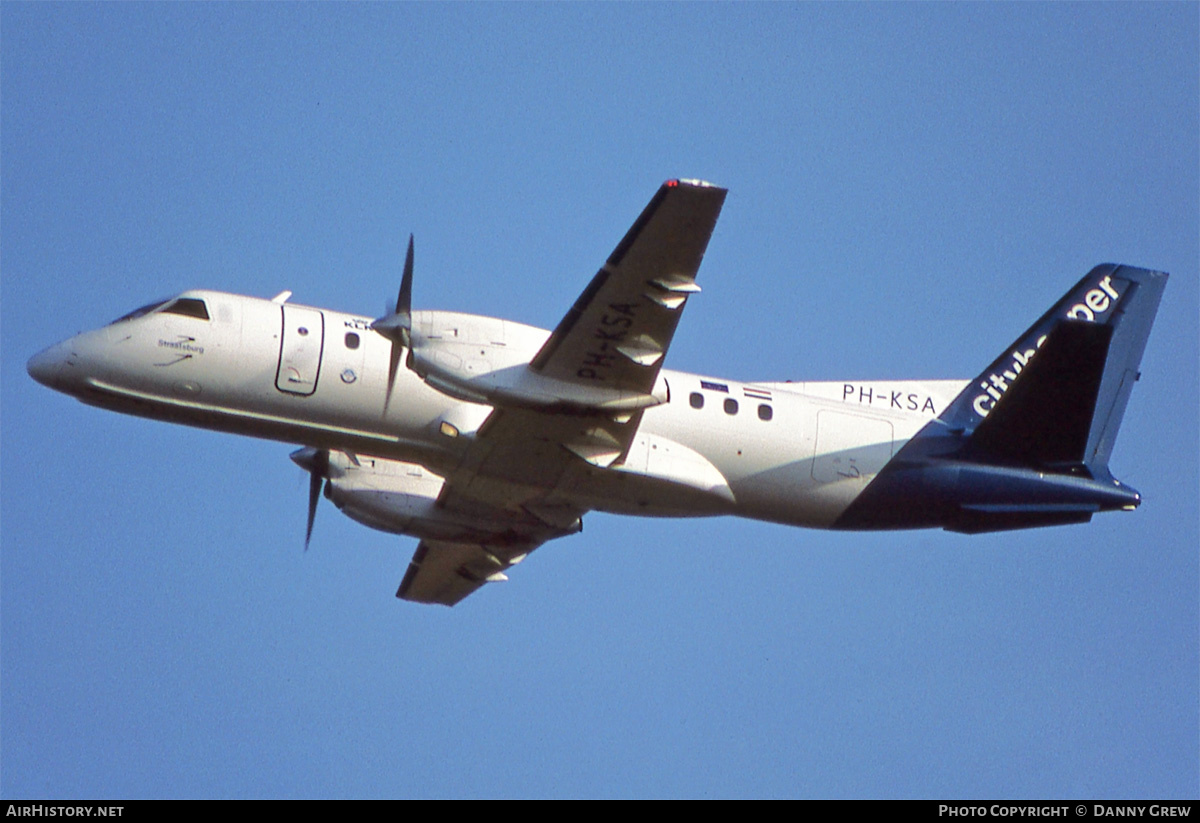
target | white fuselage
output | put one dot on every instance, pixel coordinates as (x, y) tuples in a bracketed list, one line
[(796, 453)]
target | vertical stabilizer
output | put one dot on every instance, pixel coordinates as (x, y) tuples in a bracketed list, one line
[(1068, 407)]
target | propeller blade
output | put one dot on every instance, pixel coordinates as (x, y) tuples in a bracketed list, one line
[(396, 326), (393, 367), (316, 463), (314, 493), (404, 298)]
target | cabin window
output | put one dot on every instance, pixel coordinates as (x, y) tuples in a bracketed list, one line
[(730, 405), (351, 340), (765, 412), (188, 307), (696, 399)]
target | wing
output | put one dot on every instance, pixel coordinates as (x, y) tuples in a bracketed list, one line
[(617, 332), (614, 336), (445, 573), (467, 540), (522, 463)]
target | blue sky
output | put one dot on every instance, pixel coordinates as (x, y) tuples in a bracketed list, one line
[(910, 186)]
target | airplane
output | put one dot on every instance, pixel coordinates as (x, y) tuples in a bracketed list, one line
[(485, 438)]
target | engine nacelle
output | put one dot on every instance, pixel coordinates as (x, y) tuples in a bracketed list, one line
[(402, 498), (484, 360)]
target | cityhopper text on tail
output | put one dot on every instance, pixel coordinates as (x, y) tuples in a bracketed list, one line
[(485, 438)]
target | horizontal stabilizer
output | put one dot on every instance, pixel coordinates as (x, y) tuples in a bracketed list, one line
[(979, 521)]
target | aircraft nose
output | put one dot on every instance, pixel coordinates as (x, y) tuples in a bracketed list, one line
[(46, 365)]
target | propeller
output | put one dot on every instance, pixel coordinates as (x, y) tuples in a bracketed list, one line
[(316, 463), (396, 326)]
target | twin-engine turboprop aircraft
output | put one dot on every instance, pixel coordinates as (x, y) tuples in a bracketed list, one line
[(485, 438)]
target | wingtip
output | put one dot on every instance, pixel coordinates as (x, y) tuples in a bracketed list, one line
[(695, 183)]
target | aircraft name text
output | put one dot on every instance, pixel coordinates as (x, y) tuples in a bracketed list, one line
[(182, 344)]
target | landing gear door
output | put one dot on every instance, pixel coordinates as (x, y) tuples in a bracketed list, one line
[(300, 350)]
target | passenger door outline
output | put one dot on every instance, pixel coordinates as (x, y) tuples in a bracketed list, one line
[(301, 345)]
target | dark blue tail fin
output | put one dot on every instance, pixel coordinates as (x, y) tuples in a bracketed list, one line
[(1027, 442), (1078, 364), (1045, 418)]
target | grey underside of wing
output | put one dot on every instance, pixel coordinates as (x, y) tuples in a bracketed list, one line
[(445, 573), (511, 476)]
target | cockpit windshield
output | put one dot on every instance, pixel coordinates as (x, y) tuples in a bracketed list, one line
[(186, 306), (141, 312)]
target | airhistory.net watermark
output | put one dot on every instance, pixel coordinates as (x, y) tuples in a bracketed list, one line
[(45, 810)]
